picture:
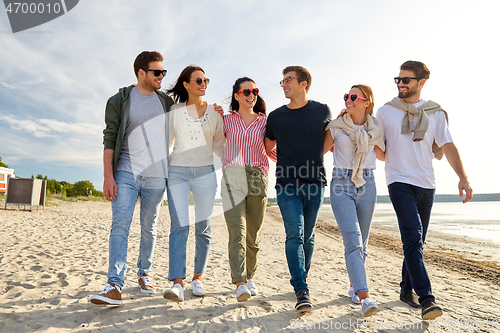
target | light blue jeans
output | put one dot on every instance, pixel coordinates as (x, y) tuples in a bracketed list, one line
[(353, 209), (130, 187), (299, 208), (182, 181)]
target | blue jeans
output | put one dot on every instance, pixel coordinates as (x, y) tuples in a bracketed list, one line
[(182, 181), (299, 208), (413, 206), (353, 209), (129, 187)]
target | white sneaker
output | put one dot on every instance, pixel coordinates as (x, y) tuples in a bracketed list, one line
[(354, 297), (252, 287), (242, 293), (175, 294), (368, 307), (197, 287)]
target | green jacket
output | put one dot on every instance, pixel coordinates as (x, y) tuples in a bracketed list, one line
[(116, 116)]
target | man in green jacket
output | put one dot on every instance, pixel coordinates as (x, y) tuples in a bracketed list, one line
[(135, 166)]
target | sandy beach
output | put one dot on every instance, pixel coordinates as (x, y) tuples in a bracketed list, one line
[(53, 260)]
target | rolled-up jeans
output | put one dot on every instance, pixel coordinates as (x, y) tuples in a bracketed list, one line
[(244, 199), (202, 183), (130, 187), (299, 206), (353, 209), (413, 205)]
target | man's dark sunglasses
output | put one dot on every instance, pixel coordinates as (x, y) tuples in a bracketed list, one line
[(157, 72), (406, 79)]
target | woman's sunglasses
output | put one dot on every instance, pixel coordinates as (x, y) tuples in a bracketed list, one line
[(199, 81), (353, 97), (406, 79), (246, 92), (157, 72)]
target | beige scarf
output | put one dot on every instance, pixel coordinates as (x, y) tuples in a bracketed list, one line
[(422, 113), (372, 136)]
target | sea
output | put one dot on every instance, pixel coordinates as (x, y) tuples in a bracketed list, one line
[(479, 220)]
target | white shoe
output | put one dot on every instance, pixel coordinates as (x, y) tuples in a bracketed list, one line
[(197, 287), (368, 307), (175, 294), (242, 293), (354, 297), (252, 287)]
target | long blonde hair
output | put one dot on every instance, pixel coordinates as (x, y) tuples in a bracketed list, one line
[(368, 94)]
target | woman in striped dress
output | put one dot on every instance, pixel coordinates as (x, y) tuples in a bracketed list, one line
[(244, 183)]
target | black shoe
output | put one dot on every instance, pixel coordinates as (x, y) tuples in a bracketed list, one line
[(410, 298), (431, 311), (303, 302)]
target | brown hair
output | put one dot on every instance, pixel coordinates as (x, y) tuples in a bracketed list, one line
[(367, 93), (178, 91), (144, 58), (419, 68), (302, 73)]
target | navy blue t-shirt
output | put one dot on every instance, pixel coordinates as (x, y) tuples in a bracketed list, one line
[(299, 135)]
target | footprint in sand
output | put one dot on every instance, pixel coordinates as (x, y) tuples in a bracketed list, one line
[(62, 280)]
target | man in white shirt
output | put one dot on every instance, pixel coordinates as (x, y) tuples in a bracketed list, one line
[(411, 128)]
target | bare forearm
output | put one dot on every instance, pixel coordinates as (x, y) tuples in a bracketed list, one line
[(453, 157), (107, 160), (269, 145), (379, 153), (328, 142)]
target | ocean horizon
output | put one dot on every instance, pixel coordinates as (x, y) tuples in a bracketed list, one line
[(479, 220)]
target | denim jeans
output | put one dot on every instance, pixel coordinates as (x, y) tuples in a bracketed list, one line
[(182, 181), (413, 206), (299, 208), (130, 187), (353, 209)]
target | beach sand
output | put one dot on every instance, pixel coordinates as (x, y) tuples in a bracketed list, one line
[(53, 260)]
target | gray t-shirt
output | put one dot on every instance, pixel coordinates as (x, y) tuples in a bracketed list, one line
[(144, 150)]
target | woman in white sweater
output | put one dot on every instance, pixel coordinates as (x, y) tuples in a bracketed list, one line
[(196, 131)]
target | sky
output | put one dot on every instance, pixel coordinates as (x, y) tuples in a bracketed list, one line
[(55, 79)]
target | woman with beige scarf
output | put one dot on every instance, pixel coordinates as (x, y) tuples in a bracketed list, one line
[(358, 139)]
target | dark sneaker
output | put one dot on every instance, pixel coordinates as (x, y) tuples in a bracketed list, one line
[(146, 284), (303, 302), (111, 295), (410, 298), (431, 311)]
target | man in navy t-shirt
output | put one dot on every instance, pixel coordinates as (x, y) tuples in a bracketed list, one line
[(298, 131)]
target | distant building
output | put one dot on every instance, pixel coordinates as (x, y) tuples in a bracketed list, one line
[(5, 173)]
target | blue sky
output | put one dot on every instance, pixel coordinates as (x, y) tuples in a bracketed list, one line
[(55, 78)]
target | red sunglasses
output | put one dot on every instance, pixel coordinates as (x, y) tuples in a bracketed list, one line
[(353, 97), (246, 92)]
